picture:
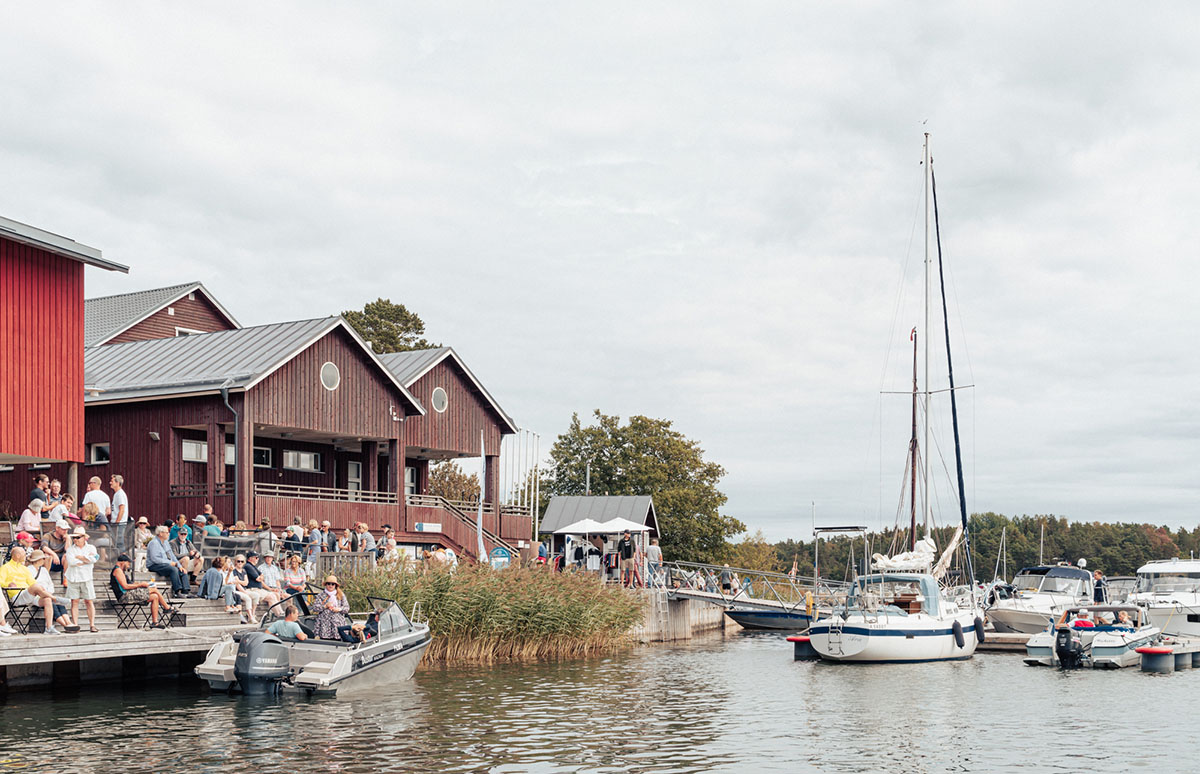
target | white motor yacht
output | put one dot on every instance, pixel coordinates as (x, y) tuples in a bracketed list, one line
[(258, 662), (1169, 589), (1039, 595), (1100, 636), (897, 617)]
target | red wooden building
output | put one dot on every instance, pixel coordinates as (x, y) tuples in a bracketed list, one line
[(284, 421), (41, 347)]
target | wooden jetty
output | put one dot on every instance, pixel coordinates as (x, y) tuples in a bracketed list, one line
[(1003, 642)]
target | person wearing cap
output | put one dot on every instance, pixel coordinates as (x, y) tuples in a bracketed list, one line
[(39, 563), (293, 539), (120, 579), (26, 541), (31, 518), (185, 551), (254, 584), (331, 608), (79, 560), (161, 560), (270, 576), (20, 586), (329, 540), (55, 544)]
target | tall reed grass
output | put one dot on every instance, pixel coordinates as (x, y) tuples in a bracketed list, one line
[(480, 615)]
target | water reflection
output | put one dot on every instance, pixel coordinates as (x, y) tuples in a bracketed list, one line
[(719, 706)]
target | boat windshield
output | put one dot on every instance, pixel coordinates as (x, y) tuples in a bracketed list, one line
[(1028, 582), (905, 593), (1071, 586), (391, 619), (1169, 581)]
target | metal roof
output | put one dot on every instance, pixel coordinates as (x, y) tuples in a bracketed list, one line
[(203, 363), (107, 316), (56, 244), (565, 510), (410, 366)]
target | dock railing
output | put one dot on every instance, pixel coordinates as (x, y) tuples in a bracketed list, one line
[(789, 592)]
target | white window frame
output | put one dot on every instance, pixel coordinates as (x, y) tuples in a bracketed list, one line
[(7, 468), (40, 466), (230, 454), (354, 482), (297, 456), (270, 456), (410, 480), (93, 447), (188, 442), (187, 331)]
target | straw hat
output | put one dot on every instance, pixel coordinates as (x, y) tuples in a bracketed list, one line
[(333, 579), (80, 531), (37, 556), (143, 520)]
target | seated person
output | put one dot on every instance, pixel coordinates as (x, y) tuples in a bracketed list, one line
[(1123, 618), (39, 564), (21, 588), (1083, 621), (127, 591), (288, 628), (360, 631)]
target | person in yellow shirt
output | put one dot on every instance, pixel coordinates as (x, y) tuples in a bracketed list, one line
[(17, 580)]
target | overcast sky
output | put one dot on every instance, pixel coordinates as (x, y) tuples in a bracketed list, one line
[(703, 212)]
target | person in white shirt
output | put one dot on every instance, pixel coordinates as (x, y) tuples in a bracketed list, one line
[(39, 563), (96, 496), (80, 558), (120, 509), (31, 519)]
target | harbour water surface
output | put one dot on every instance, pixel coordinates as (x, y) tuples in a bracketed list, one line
[(733, 704)]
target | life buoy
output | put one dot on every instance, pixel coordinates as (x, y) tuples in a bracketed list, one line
[(979, 636), (959, 640)]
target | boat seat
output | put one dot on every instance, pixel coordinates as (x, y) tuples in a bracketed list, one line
[(318, 666)]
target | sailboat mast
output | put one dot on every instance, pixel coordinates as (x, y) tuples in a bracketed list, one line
[(925, 482), (912, 454)]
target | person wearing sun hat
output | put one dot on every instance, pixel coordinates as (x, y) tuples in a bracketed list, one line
[(79, 560), (331, 608)]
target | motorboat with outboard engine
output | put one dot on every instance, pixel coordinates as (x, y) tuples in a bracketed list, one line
[(259, 662), (1039, 595), (1100, 636), (897, 617), (1169, 589)]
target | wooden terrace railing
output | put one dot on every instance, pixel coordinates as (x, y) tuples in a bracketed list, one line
[(325, 493), (464, 515), (220, 489)]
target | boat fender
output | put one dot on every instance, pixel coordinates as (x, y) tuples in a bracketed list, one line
[(959, 640), (979, 636)]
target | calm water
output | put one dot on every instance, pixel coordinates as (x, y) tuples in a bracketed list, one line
[(734, 704)]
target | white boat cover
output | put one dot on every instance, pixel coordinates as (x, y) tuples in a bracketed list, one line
[(917, 560)]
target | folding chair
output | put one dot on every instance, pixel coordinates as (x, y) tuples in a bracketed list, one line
[(20, 617)]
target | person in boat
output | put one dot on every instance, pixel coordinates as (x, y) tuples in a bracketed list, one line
[(1099, 588), (331, 608), (126, 590), (288, 628), (1083, 620), (361, 631), (1123, 618)]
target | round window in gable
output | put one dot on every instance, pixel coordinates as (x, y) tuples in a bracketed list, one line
[(440, 400), (331, 377)]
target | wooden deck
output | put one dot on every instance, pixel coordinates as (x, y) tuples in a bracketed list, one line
[(111, 643)]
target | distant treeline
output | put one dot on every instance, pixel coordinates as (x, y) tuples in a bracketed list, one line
[(1114, 549)]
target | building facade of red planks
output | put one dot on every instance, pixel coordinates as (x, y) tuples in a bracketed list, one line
[(290, 422), (41, 344)]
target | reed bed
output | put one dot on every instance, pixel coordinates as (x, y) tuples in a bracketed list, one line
[(478, 615)]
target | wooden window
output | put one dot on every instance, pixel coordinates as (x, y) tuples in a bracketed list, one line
[(186, 331), (302, 460), (410, 481), (262, 457), (354, 476), (40, 466), (98, 453), (195, 451)]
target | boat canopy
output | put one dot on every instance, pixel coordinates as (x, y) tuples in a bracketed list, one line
[(927, 584), (1057, 571)]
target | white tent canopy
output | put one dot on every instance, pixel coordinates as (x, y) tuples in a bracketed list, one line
[(583, 527), (620, 525)]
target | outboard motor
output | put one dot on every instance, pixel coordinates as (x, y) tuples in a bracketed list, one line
[(1068, 646), (261, 664)]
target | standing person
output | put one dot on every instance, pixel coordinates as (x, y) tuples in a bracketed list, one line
[(1099, 587), (625, 552), (120, 509), (331, 608), (207, 513), (161, 560), (55, 493), (41, 488), (654, 557), (265, 541), (96, 496), (328, 538), (313, 541), (726, 579), (79, 561)]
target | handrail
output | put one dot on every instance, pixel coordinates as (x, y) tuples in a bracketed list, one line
[(324, 493), (791, 592), (435, 501)]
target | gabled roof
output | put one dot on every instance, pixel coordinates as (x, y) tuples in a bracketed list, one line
[(56, 244), (410, 366), (205, 362), (568, 509), (108, 316)]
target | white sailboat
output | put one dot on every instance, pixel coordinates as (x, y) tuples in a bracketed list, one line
[(902, 613)]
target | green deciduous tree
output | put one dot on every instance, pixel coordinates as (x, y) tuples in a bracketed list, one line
[(447, 479), (389, 327), (647, 457)]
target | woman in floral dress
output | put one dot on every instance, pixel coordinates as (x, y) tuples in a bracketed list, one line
[(331, 608)]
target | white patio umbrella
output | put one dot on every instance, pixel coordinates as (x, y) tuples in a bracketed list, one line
[(620, 525), (582, 527)]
